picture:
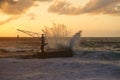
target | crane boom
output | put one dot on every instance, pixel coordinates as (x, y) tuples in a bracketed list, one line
[(33, 34)]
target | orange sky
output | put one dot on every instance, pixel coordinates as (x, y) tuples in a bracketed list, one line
[(96, 18)]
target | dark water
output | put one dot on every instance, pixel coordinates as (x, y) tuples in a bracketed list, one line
[(101, 42), (86, 42), (19, 43)]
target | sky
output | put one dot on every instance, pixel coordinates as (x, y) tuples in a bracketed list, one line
[(95, 18)]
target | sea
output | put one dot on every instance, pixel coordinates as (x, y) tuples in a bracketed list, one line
[(96, 58), (86, 43)]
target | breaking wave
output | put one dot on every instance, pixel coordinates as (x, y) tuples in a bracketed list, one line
[(58, 37)]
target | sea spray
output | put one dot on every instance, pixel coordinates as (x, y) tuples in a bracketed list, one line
[(75, 41), (58, 37)]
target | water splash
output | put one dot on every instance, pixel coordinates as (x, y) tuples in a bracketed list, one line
[(58, 37), (75, 40)]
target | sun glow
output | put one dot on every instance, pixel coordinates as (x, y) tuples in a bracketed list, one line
[(38, 16)]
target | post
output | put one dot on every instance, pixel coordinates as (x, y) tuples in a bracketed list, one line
[(42, 43)]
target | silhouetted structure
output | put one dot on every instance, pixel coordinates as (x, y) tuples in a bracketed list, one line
[(43, 43), (34, 34)]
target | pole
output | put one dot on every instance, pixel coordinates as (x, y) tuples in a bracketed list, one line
[(42, 43)]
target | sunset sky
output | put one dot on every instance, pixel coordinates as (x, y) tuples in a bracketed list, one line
[(96, 18)]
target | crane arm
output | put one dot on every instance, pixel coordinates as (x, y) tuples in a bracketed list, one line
[(33, 34)]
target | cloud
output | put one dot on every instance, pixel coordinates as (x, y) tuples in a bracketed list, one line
[(63, 7), (101, 6), (92, 7), (16, 7)]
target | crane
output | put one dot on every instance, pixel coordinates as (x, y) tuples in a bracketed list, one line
[(30, 33), (34, 34)]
